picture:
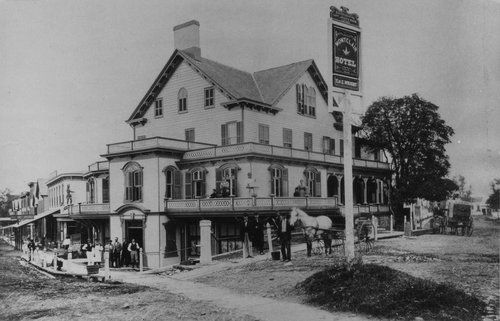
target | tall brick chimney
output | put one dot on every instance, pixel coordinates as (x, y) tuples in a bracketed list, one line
[(187, 38)]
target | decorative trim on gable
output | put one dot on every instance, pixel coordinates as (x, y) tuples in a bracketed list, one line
[(252, 105), (160, 81)]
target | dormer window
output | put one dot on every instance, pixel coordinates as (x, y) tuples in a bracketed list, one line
[(306, 100), (182, 100), (159, 107)]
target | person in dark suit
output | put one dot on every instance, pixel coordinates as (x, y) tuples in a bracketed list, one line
[(285, 235), (246, 237), (258, 235)]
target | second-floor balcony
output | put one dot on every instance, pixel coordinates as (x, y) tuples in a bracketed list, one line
[(256, 204), (87, 209), (154, 143), (99, 166), (276, 151)]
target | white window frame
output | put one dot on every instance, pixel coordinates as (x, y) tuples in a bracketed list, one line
[(209, 97), (159, 107)]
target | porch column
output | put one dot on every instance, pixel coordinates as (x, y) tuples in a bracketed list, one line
[(205, 242), (378, 191), (339, 190), (365, 189), (382, 184)]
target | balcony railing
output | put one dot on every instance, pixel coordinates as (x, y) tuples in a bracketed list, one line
[(254, 148), (247, 204), (237, 204), (367, 209), (99, 166), (102, 208), (154, 142)]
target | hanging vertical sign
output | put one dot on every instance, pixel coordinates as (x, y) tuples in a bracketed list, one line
[(345, 49)]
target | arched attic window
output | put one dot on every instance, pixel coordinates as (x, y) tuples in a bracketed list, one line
[(133, 182), (195, 183), (313, 182), (182, 97), (172, 182), (279, 180)]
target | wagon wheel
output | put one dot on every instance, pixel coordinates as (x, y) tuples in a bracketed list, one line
[(318, 247), (470, 227)]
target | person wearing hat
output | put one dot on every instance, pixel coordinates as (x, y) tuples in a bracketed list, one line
[(246, 233), (285, 235)]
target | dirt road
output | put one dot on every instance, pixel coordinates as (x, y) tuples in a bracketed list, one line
[(470, 263), (25, 294)]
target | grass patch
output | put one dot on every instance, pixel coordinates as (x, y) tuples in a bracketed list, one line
[(383, 292)]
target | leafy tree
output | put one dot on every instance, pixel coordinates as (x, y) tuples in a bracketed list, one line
[(464, 192), (494, 199), (412, 134), (437, 190), (6, 198)]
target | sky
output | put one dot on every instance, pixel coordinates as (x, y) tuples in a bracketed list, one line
[(71, 72)]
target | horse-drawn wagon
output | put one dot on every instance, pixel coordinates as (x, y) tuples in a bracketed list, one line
[(321, 235), (457, 216)]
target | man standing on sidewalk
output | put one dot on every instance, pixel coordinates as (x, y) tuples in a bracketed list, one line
[(116, 249), (285, 235)]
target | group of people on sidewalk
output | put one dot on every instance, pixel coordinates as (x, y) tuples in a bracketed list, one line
[(120, 254), (252, 234)]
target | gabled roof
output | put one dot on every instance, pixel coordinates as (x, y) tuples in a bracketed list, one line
[(265, 86)]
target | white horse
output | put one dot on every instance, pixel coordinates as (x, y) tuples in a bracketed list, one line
[(313, 228)]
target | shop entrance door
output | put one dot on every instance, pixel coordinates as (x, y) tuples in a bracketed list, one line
[(134, 230)]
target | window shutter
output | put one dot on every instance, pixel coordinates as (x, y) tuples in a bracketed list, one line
[(326, 145), (203, 184), (177, 184), (318, 184), (187, 185), (239, 132), (284, 181), (224, 133), (341, 147), (304, 97), (298, 98), (271, 180)]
